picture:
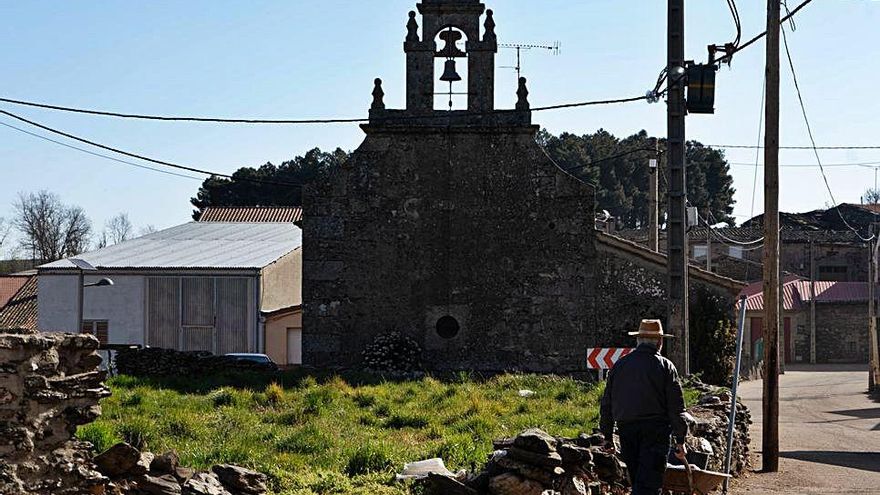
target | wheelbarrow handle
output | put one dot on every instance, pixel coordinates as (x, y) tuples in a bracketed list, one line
[(690, 475)]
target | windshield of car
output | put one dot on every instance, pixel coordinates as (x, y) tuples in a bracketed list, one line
[(254, 358)]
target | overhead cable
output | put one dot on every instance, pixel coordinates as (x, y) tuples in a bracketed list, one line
[(813, 140), (146, 158)]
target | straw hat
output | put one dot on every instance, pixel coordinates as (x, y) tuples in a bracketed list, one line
[(650, 328)]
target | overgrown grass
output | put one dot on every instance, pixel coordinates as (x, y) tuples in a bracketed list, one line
[(317, 435)]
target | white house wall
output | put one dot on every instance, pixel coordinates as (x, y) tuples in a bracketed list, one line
[(122, 305)]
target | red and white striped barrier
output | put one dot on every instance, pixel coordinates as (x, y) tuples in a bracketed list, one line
[(603, 358)]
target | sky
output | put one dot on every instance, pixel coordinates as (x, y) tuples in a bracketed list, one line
[(317, 59)]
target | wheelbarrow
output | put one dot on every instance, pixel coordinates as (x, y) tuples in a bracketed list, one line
[(691, 480)]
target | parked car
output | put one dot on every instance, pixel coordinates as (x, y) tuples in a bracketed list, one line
[(261, 360)]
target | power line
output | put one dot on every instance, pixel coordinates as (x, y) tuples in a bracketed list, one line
[(172, 118), (813, 140), (621, 155), (108, 157), (869, 165), (727, 57), (751, 146), (146, 158), (758, 152)]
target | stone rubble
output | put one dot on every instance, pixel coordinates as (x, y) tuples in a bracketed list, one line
[(49, 385), (536, 463), (132, 472)]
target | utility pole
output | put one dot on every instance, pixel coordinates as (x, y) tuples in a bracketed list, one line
[(813, 301), (873, 357), (770, 435), (708, 243), (653, 192), (676, 239)]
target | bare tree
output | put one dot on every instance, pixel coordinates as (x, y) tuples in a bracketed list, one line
[(148, 229), (871, 196), (50, 230), (116, 230), (5, 227)]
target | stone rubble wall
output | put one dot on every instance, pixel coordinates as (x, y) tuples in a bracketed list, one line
[(153, 361), (49, 384)]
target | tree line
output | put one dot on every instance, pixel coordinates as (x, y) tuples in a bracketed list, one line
[(49, 230), (621, 182)]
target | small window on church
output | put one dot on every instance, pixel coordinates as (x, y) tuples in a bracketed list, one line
[(447, 327)]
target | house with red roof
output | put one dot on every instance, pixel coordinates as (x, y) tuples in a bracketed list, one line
[(824, 321)]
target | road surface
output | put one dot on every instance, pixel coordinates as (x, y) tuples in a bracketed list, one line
[(829, 434)]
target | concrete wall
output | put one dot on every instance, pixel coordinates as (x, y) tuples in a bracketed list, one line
[(122, 305), (276, 335), (281, 283)]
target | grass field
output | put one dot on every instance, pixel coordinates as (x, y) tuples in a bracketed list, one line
[(332, 435)]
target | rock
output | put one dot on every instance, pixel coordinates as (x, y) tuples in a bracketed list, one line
[(541, 474), (204, 484), (444, 485), (240, 480), (183, 473), (512, 484), (551, 459), (143, 464), (608, 466), (574, 485), (159, 485), (165, 463), (594, 440), (118, 460), (535, 440), (573, 454), (708, 400)]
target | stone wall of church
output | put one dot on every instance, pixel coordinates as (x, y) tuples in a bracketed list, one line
[(472, 223)]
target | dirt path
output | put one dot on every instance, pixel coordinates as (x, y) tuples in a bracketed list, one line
[(829, 432)]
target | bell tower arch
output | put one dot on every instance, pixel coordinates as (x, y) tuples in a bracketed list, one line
[(422, 50)]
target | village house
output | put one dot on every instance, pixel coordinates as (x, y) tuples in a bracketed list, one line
[(451, 225), (837, 334), (230, 283)]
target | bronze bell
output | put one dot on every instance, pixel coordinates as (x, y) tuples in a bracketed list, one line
[(449, 72)]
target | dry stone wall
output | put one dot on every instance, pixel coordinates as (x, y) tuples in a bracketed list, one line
[(49, 385)]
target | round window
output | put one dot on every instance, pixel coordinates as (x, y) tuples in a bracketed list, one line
[(447, 327)]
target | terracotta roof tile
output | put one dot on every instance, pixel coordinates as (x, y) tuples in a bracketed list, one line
[(9, 285), (21, 310), (268, 214)]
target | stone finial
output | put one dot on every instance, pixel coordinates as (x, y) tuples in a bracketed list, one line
[(489, 35), (412, 28), (522, 93), (378, 96)]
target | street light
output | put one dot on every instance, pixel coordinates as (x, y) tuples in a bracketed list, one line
[(85, 266)]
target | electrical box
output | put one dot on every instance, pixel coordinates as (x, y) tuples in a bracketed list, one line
[(693, 217), (701, 88)]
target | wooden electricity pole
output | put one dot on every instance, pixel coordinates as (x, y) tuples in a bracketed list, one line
[(653, 192), (770, 437), (676, 238), (873, 358)]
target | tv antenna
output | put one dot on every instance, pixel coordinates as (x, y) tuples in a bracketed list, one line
[(554, 49)]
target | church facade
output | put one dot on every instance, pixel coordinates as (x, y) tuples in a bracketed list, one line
[(453, 226)]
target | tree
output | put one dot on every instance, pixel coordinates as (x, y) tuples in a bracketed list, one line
[(871, 196), (620, 173), (116, 230), (5, 227), (147, 229), (50, 230), (254, 186)]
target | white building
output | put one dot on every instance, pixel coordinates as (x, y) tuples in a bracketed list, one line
[(197, 286)]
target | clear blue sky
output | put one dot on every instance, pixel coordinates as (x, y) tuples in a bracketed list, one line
[(294, 59)]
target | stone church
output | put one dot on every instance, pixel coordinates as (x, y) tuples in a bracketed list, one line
[(454, 227)]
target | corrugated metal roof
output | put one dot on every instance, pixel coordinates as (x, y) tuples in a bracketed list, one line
[(791, 299), (9, 285), (827, 292), (796, 293), (198, 245), (251, 214), (21, 310)]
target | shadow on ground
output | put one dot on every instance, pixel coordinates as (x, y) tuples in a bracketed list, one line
[(865, 461)]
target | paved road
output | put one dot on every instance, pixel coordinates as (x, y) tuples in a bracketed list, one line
[(829, 433)]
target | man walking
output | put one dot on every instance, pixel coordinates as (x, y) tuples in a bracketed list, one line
[(643, 396)]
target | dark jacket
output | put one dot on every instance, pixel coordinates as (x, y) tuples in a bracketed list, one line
[(643, 386)]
